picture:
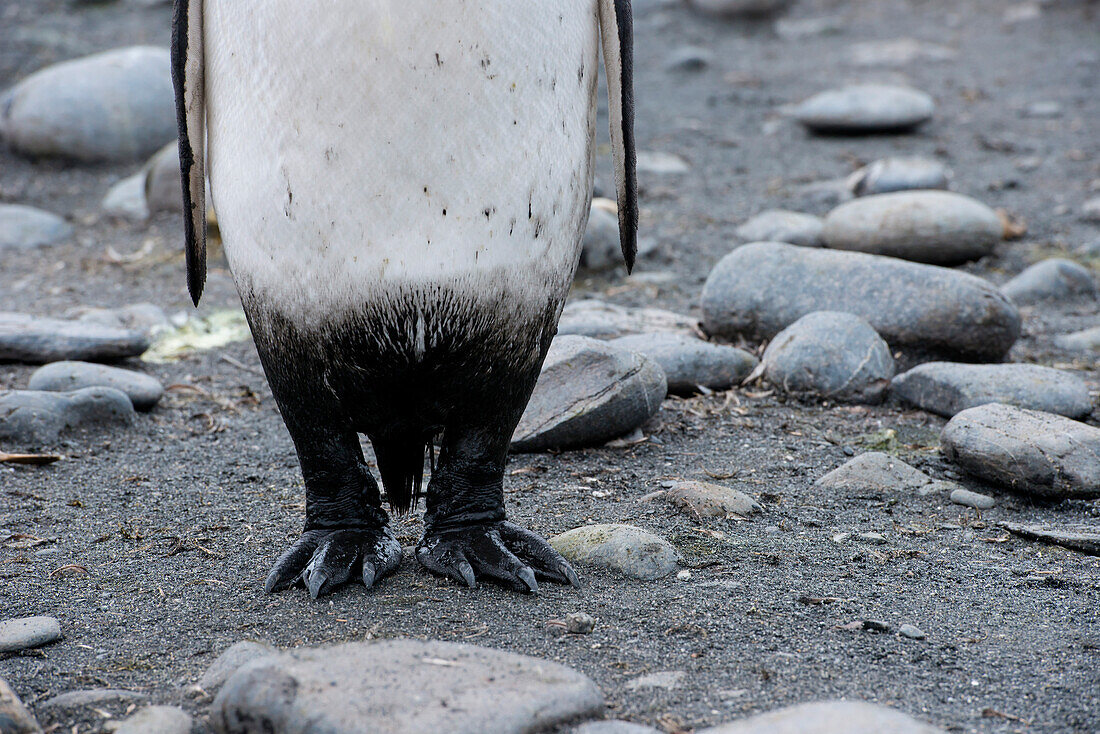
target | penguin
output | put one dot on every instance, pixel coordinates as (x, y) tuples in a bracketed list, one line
[(401, 189)]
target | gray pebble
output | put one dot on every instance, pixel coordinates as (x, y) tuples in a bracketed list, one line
[(665, 679), (827, 717), (865, 108), (1051, 280), (600, 320), (1090, 210), (1025, 450), (912, 632), (872, 537), (589, 392), (33, 418), (24, 227), (232, 658), (889, 175), (796, 29), (780, 225), (1086, 340), (126, 199), (657, 163), (873, 472), (946, 388), (626, 549), (703, 499), (1043, 109), (579, 623), (689, 58), (899, 52), (33, 340), (162, 181), (830, 354), (25, 633), (760, 289), (690, 363), (144, 391), (937, 227), (155, 720), (15, 718), (966, 498)]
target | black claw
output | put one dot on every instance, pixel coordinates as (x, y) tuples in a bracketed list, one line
[(316, 582), (324, 560)]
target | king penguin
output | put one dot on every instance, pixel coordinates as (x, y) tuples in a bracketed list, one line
[(401, 189)]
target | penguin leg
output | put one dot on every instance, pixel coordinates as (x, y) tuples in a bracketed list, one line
[(467, 536), (347, 534)]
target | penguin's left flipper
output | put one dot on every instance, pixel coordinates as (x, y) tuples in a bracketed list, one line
[(503, 553), (188, 81), (617, 34)]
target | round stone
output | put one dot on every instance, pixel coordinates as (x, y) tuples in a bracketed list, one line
[(144, 391), (28, 632), (865, 108), (690, 363), (625, 549)]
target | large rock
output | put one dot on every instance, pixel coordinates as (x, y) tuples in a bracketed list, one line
[(760, 289), (600, 320), (144, 391), (690, 363), (780, 225), (828, 717), (1052, 279), (115, 105), (24, 227), (230, 660), (936, 227), (33, 418), (1025, 450), (947, 388), (399, 687), (888, 175), (830, 354), (34, 340), (625, 549), (15, 718), (589, 392), (865, 108)]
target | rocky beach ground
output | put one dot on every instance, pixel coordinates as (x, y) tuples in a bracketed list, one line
[(835, 438)]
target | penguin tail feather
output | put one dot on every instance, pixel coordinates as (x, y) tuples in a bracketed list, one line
[(401, 464)]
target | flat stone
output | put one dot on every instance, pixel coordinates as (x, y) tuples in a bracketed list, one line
[(689, 58), (978, 501), (873, 472), (830, 354), (589, 392), (625, 549), (155, 720), (126, 199), (690, 363), (865, 108), (600, 320), (758, 290), (146, 318), (704, 499), (1053, 279), (1085, 540), (780, 225), (1025, 450), (666, 679), (828, 717), (230, 660), (34, 340), (946, 388), (24, 227), (33, 418), (402, 686), (143, 390), (740, 8), (937, 227), (899, 52), (613, 727), (15, 718), (889, 175), (1086, 340), (115, 105), (912, 632), (25, 633)]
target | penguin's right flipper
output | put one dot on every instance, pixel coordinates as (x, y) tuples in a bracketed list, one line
[(617, 33), (188, 80)]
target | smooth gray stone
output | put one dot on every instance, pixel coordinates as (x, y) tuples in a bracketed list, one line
[(665, 679), (760, 289), (912, 632), (143, 317), (37, 418), (15, 718), (114, 105), (1025, 450), (144, 391), (589, 392), (936, 227), (162, 180), (658, 163), (156, 720), (24, 227), (625, 549), (827, 717), (740, 8), (830, 354), (75, 701), (34, 340), (613, 727), (1086, 340), (865, 108), (703, 499), (899, 52), (780, 225), (946, 388), (25, 633), (126, 199), (905, 173), (1090, 210), (689, 363), (600, 248), (1051, 280), (230, 660), (689, 58), (978, 501), (402, 686), (1085, 540), (872, 472), (599, 320)]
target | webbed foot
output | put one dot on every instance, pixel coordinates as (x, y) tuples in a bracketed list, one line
[(324, 559), (500, 552)]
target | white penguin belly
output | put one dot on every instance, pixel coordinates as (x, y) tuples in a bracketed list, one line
[(357, 147)]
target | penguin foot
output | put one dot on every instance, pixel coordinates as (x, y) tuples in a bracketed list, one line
[(323, 560), (503, 553)]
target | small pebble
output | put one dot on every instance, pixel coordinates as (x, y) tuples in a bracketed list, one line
[(579, 623), (972, 499), (912, 632), (872, 537), (865, 108), (25, 633)]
